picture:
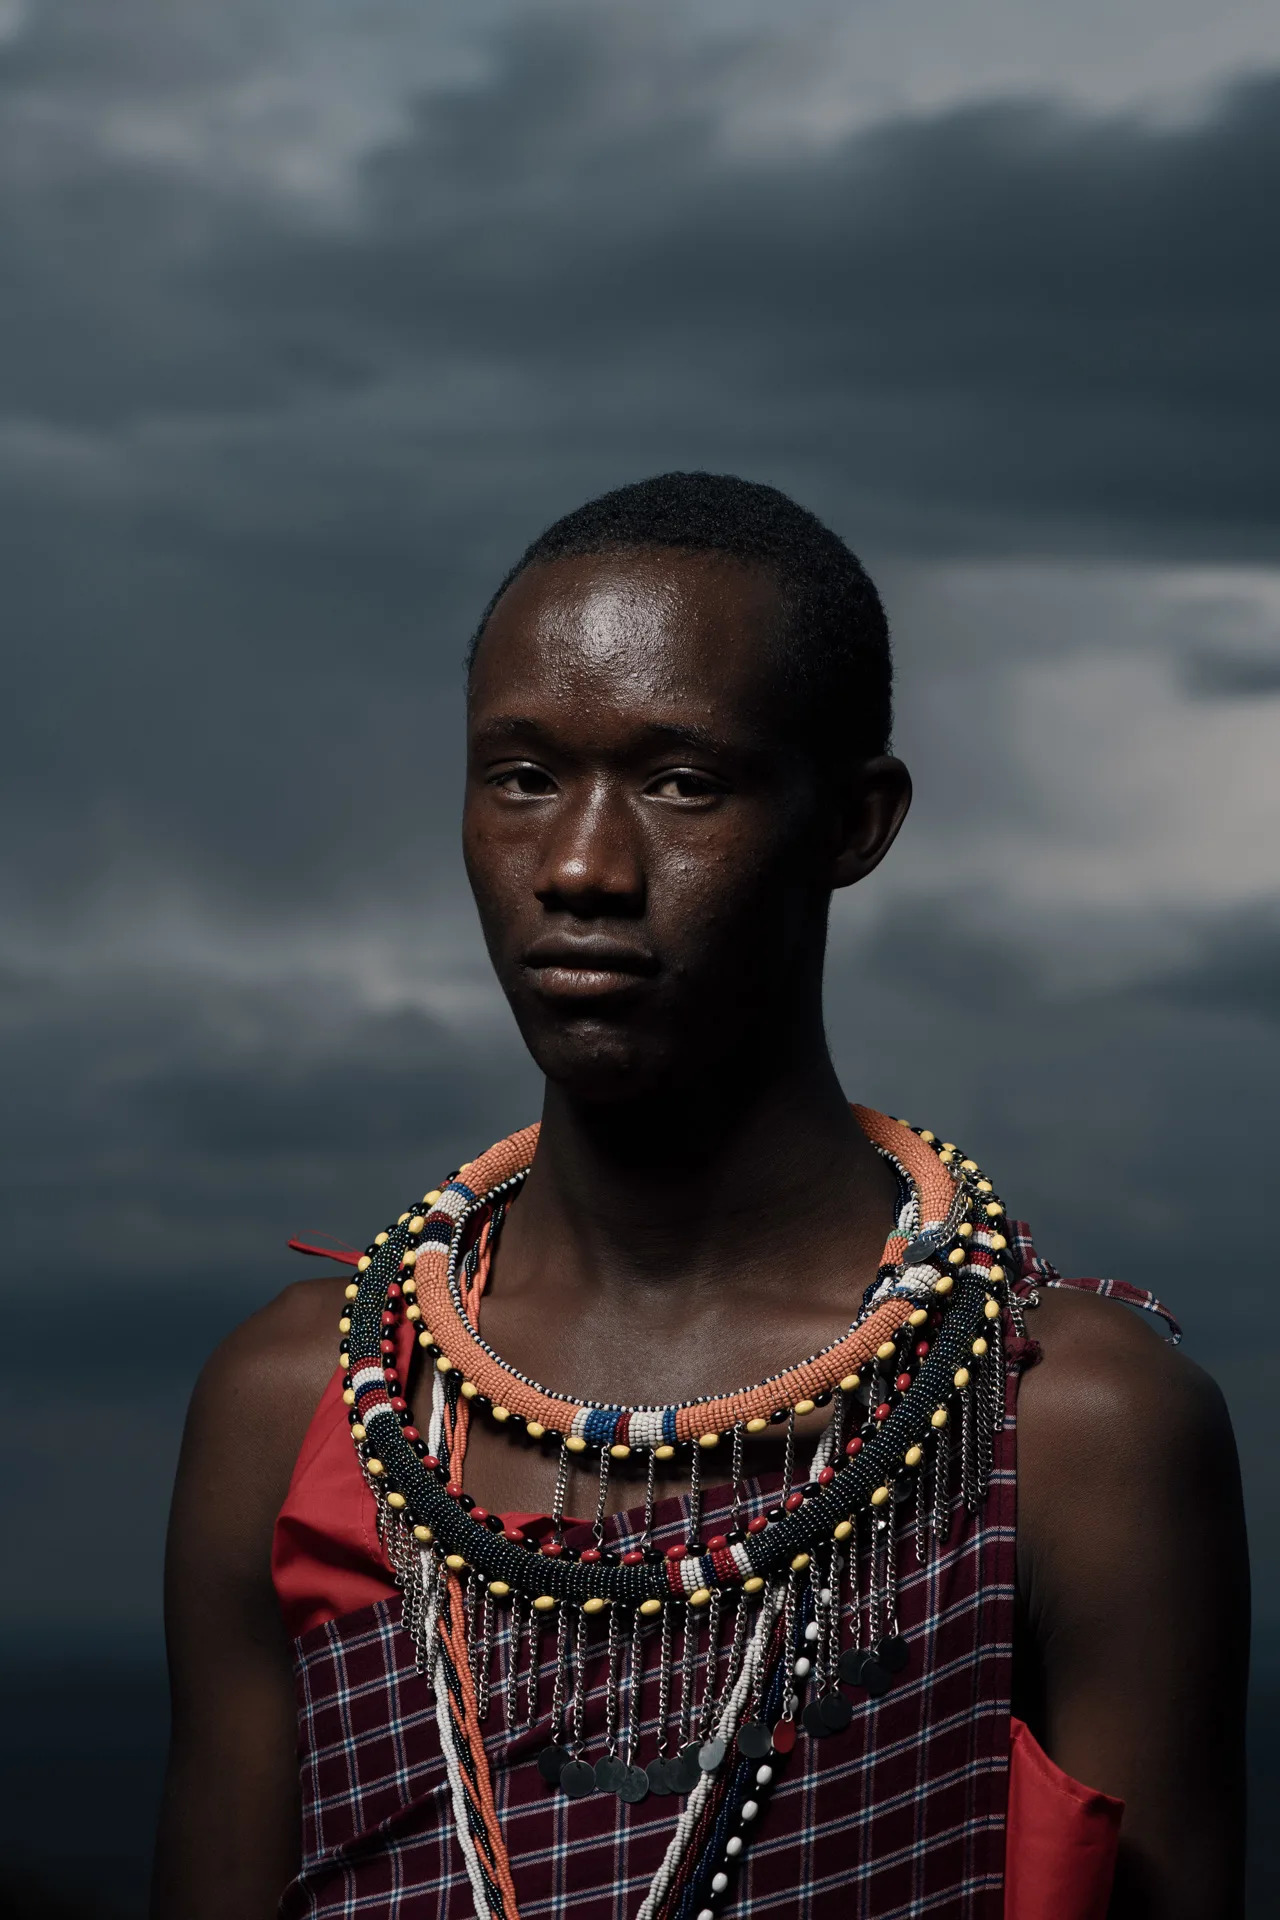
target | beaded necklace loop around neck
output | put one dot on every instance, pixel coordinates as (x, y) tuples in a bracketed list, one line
[(925, 1346)]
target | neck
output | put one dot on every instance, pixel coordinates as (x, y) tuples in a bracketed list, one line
[(754, 1175)]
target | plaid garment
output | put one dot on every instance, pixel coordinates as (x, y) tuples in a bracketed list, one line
[(901, 1814)]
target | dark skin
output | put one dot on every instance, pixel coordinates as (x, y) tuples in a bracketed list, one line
[(652, 853)]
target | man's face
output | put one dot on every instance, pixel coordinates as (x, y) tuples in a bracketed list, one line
[(647, 845)]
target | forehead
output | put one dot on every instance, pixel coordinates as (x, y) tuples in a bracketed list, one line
[(653, 630)]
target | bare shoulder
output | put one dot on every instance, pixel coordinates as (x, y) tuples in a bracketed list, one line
[(287, 1349), (1109, 1387)]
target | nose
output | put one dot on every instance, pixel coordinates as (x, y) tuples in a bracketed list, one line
[(592, 864)]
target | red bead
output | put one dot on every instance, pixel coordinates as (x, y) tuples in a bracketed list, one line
[(411, 1433), (430, 1462), (677, 1553), (399, 1404), (883, 1410), (387, 1346), (902, 1382), (590, 1555), (757, 1525), (922, 1347), (479, 1514), (853, 1446), (514, 1535), (453, 1488), (633, 1559), (388, 1318), (826, 1476), (717, 1543), (393, 1291), (792, 1501), (553, 1548)]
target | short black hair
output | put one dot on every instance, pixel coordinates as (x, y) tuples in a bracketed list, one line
[(838, 656)]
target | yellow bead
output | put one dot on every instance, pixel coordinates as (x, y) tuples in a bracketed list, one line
[(970, 1166), (594, 1605), (998, 1243), (469, 1389), (804, 1406), (443, 1363), (964, 1230), (395, 1500), (454, 1562), (352, 1292), (663, 1453), (619, 1451), (992, 1309), (363, 1264), (650, 1607), (535, 1429), (917, 1317), (956, 1256), (499, 1589), (886, 1350), (417, 1223), (409, 1285), (879, 1497), (842, 1530), (423, 1535), (754, 1585), (947, 1155), (344, 1325), (501, 1414), (851, 1382), (375, 1467), (699, 1597), (344, 1361), (348, 1397), (358, 1432), (993, 1209), (995, 1275), (381, 1239), (939, 1419), (979, 1347), (944, 1285), (708, 1439), (544, 1602), (575, 1443), (413, 1313), (948, 1146), (913, 1456), (984, 1186), (961, 1377), (927, 1136), (800, 1562), (757, 1425), (409, 1258), (429, 1199), (403, 1217), (424, 1338)]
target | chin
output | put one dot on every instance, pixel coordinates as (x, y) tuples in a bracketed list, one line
[(603, 1065)]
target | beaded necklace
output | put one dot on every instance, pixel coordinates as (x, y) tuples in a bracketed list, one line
[(925, 1347)]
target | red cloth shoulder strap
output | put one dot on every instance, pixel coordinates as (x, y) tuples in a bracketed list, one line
[(1036, 1271)]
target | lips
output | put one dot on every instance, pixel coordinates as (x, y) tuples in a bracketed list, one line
[(590, 968)]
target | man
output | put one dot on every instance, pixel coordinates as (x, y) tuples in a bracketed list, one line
[(678, 746)]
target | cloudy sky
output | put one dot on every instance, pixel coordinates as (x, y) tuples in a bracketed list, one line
[(313, 315)]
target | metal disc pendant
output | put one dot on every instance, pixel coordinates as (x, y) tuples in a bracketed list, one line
[(609, 1772), (551, 1763), (812, 1721), (874, 1678), (686, 1769), (851, 1663), (924, 1246), (633, 1786), (836, 1712), (754, 1739), (893, 1653), (710, 1754), (784, 1735), (578, 1779), (659, 1772)]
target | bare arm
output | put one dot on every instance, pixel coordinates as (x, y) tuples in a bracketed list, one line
[(1134, 1591), (229, 1825)]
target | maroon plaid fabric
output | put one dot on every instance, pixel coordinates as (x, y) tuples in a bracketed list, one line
[(902, 1814)]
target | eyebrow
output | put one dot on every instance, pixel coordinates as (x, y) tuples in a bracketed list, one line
[(513, 726)]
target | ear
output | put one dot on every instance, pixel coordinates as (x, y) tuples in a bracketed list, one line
[(875, 806)]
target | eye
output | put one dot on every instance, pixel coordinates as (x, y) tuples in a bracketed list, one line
[(525, 782), (683, 783)]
